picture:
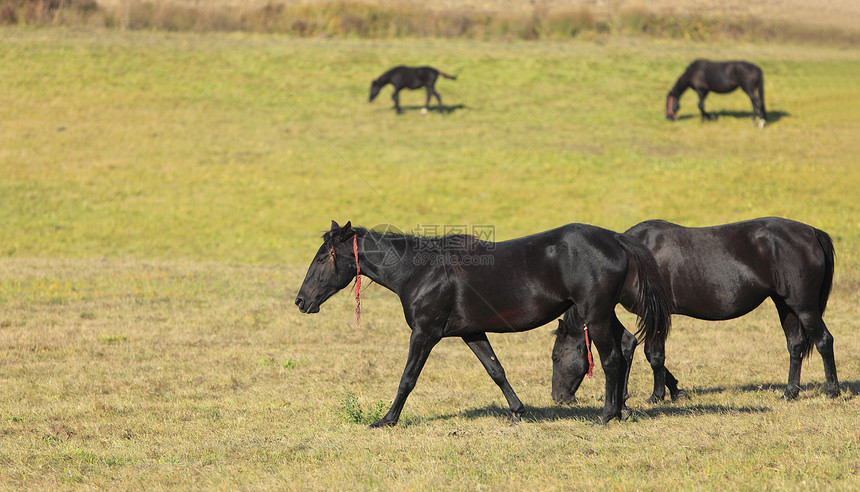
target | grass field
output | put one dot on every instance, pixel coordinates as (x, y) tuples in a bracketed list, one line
[(161, 195)]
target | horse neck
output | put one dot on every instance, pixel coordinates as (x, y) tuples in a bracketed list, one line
[(385, 78), (389, 261), (680, 86)]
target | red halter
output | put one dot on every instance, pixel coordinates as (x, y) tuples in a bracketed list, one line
[(669, 105), (357, 282), (588, 345)]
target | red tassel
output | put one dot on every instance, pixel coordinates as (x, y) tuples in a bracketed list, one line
[(358, 283), (588, 345)]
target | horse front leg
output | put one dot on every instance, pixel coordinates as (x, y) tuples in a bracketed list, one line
[(628, 348), (705, 115), (396, 97), (480, 345), (420, 345), (427, 102)]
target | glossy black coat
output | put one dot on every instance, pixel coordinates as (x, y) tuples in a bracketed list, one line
[(705, 76), (720, 273), (459, 286), (401, 77)]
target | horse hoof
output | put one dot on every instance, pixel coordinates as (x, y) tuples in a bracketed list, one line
[(423, 111), (382, 423), (832, 392), (653, 399), (761, 124), (789, 396), (516, 417), (679, 394)]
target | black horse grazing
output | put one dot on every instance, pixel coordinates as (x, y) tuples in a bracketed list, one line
[(721, 77), (460, 286), (720, 273), (410, 78)]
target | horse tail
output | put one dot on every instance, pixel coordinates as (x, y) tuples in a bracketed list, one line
[(452, 77), (761, 95), (829, 263), (653, 303)]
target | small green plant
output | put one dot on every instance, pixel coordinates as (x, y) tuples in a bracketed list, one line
[(353, 412)]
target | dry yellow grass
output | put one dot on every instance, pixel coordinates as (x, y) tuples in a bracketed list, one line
[(161, 194), (843, 14)]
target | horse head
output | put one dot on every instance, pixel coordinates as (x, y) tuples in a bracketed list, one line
[(672, 106), (569, 362), (375, 86), (332, 269)]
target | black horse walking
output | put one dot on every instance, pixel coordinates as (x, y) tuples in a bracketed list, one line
[(721, 273), (410, 78), (721, 77), (460, 286)]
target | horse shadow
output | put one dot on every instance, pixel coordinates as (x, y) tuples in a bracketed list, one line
[(591, 414), (772, 116), (849, 388), (446, 109)]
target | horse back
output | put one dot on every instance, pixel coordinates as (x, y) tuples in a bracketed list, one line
[(527, 282), (724, 271), (722, 77)]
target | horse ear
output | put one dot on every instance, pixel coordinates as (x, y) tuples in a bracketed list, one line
[(346, 231), (562, 328), (334, 226)]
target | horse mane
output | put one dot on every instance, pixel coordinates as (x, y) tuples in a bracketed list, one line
[(465, 242), (384, 78), (447, 250)]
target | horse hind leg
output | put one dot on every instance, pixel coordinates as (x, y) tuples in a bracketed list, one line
[(607, 339), (657, 359), (814, 327), (802, 330), (798, 346), (705, 114), (480, 345), (757, 108)]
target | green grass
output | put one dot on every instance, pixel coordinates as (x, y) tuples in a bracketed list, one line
[(161, 195)]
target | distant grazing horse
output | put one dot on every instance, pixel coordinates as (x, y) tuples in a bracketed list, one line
[(721, 77), (460, 286), (720, 273), (410, 78)]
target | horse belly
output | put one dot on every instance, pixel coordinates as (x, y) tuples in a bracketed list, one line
[(506, 314), (718, 301)]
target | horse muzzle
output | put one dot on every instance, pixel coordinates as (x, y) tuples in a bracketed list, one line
[(307, 307)]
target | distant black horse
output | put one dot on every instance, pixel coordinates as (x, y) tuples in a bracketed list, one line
[(721, 77), (410, 78), (720, 273), (460, 286)]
